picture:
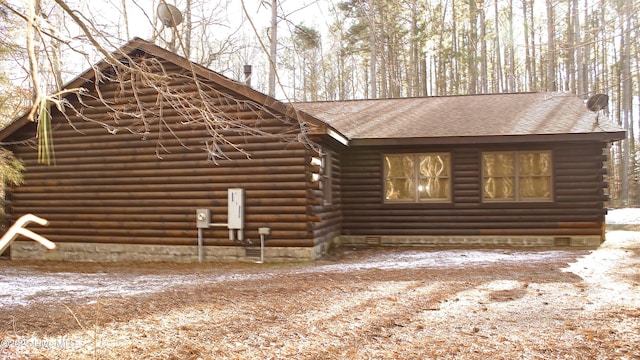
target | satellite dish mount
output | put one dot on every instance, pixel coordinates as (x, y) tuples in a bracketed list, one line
[(598, 102), (169, 15)]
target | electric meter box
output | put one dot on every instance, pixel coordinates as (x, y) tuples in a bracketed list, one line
[(235, 219), (202, 218)]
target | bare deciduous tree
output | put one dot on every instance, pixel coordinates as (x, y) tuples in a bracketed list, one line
[(133, 78)]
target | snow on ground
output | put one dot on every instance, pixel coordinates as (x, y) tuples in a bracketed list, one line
[(623, 216), (414, 259), (599, 270), (21, 286)]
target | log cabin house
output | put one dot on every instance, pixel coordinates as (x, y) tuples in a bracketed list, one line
[(522, 169)]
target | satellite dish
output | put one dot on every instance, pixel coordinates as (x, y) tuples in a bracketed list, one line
[(169, 15), (598, 102)]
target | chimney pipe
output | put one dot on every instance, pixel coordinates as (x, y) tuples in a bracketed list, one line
[(247, 75)]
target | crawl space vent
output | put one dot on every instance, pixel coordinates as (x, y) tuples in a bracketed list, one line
[(562, 241), (252, 252)]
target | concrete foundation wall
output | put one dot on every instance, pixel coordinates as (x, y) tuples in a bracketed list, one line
[(158, 253), (98, 252), (471, 241)]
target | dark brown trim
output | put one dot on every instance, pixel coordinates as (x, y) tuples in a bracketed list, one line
[(497, 139)]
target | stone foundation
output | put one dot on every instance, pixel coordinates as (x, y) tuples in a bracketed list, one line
[(471, 241), (189, 254), (160, 253)]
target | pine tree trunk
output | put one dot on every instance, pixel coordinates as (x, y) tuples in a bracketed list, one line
[(527, 50), (577, 41), (627, 100), (373, 53), (551, 49), (570, 66), (512, 60), (273, 50), (498, 84), (484, 74), (534, 67), (472, 87)]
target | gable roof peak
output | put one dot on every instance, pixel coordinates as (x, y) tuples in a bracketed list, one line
[(233, 87)]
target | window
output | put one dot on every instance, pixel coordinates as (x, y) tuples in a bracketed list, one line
[(517, 176), (324, 174), (417, 177)]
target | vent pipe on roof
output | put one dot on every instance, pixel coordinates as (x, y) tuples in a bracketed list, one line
[(247, 75)]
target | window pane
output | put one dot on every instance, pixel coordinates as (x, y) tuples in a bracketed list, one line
[(398, 166), (400, 189), (499, 188), (537, 163), (498, 164), (434, 165), (434, 189), (535, 187), (325, 172), (400, 177), (434, 177), (499, 176), (534, 175)]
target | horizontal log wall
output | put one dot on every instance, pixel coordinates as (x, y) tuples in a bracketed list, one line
[(576, 210), (133, 188)]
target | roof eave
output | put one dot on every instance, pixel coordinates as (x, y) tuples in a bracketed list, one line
[(495, 139), (12, 127)]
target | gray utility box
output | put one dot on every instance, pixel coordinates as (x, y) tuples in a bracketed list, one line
[(203, 216)]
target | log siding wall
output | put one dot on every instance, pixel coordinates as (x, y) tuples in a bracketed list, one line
[(121, 188), (577, 208)]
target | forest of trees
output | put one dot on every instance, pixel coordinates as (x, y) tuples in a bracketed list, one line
[(338, 49)]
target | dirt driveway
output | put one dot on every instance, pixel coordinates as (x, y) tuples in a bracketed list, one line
[(355, 304)]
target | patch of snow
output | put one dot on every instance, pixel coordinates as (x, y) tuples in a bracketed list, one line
[(623, 216), (21, 286), (498, 285), (413, 259), (602, 268)]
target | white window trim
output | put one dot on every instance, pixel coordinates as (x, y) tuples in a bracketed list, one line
[(324, 176)]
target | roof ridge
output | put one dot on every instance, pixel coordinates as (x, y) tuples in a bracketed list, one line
[(423, 97)]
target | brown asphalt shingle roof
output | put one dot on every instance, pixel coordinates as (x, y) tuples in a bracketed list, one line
[(461, 116)]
